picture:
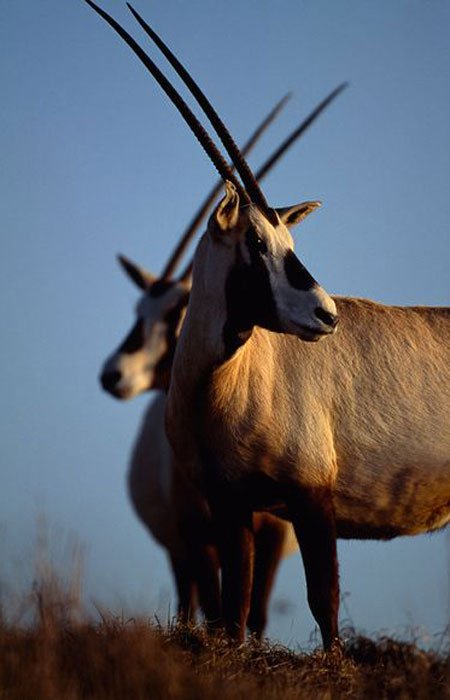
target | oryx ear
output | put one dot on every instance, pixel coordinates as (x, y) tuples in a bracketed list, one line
[(141, 277), (226, 215), (291, 216)]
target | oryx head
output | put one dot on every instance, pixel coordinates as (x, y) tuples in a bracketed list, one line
[(143, 360), (246, 239), (264, 281)]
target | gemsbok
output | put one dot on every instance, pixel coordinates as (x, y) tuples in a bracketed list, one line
[(143, 363), (349, 437)]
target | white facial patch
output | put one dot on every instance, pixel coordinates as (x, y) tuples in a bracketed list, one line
[(133, 369)]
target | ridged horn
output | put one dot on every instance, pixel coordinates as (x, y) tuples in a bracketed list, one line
[(192, 121), (200, 215), (248, 179)]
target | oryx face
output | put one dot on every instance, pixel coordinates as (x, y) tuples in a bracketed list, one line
[(143, 361), (266, 284)]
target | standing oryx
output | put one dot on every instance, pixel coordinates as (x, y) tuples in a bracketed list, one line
[(349, 437), (163, 499)]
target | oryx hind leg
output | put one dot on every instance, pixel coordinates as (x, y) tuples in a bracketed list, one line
[(270, 534), (206, 566), (312, 515), (183, 574)]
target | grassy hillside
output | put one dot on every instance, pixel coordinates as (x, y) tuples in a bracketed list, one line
[(61, 655)]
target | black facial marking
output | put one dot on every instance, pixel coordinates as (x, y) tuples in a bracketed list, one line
[(134, 340), (160, 287), (297, 274), (249, 296), (164, 367)]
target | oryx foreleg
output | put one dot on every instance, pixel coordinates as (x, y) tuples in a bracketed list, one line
[(312, 515), (234, 532), (197, 533)]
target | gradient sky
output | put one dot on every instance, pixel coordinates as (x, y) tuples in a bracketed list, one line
[(96, 161)]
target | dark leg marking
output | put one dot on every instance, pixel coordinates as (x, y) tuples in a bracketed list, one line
[(196, 529), (206, 566), (234, 530), (312, 515), (184, 581)]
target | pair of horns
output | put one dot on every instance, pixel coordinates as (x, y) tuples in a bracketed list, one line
[(252, 191), (196, 127), (201, 213)]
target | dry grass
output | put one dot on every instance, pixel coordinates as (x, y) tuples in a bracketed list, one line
[(63, 656), (51, 650)]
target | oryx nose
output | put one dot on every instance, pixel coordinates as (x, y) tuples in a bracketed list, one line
[(328, 318), (108, 380)]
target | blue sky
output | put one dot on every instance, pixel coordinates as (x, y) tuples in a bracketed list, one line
[(95, 161)]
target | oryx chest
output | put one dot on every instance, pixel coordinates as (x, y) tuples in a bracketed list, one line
[(249, 442)]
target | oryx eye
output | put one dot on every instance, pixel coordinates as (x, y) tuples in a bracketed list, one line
[(256, 245), (260, 245)]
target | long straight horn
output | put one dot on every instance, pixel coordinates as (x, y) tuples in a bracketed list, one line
[(290, 140), (187, 271), (199, 216), (214, 154), (239, 161)]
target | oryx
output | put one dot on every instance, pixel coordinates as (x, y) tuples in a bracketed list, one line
[(321, 312), (163, 500)]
